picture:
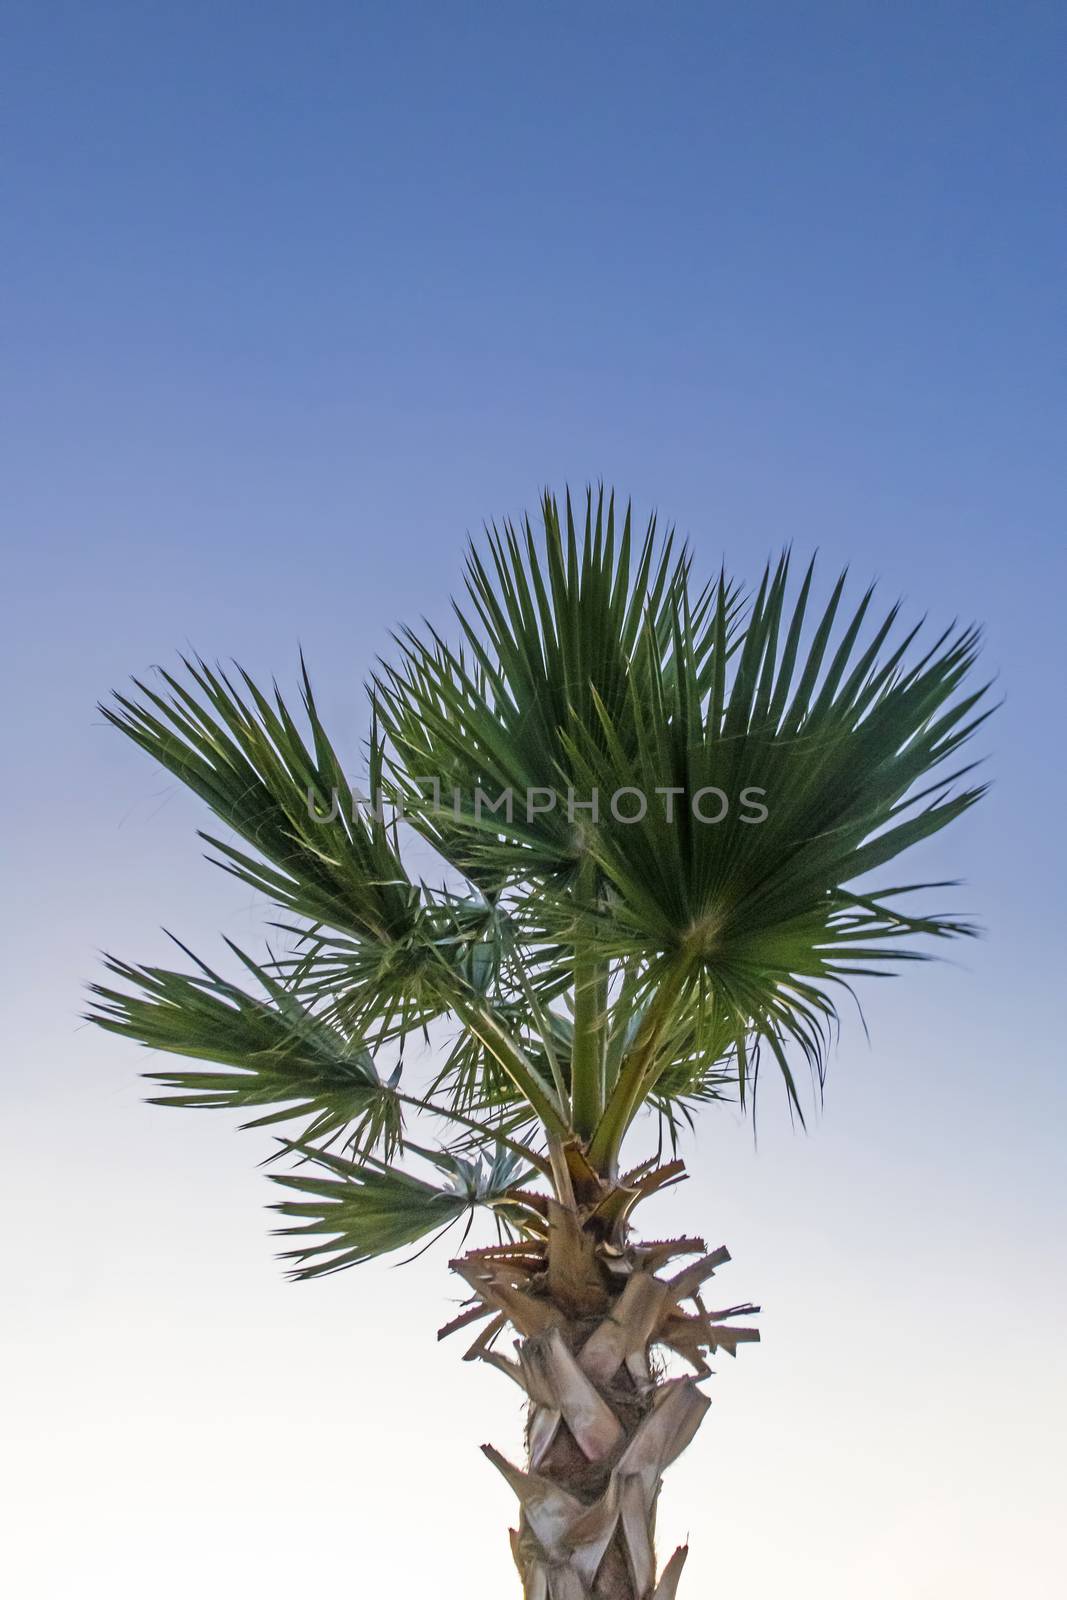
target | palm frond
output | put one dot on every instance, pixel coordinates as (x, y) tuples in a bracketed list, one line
[(357, 1210), (268, 1051), (555, 628), (325, 858), (790, 782)]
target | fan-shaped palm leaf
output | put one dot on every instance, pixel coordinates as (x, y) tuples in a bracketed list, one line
[(370, 1208)]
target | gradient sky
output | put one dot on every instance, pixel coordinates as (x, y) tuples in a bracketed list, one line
[(293, 298)]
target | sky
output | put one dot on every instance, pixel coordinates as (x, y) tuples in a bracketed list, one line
[(294, 299)]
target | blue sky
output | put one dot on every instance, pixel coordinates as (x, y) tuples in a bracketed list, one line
[(294, 298)]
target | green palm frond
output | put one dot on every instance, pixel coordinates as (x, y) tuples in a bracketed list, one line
[(269, 1051), (367, 1208), (808, 775), (555, 629), (326, 859)]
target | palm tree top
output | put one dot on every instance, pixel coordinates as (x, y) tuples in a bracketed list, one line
[(661, 811)]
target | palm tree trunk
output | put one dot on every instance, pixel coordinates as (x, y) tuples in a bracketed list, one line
[(603, 1425), (597, 1447)]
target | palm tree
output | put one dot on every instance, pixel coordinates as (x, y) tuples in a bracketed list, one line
[(646, 803)]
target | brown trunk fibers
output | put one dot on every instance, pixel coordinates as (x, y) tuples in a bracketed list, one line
[(590, 1309)]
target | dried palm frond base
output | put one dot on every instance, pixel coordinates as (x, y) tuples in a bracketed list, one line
[(603, 1424)]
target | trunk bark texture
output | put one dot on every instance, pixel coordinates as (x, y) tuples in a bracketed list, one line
[(589, 1309)]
